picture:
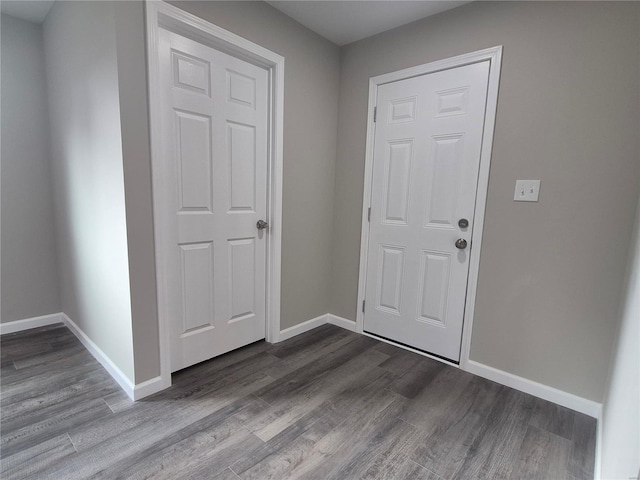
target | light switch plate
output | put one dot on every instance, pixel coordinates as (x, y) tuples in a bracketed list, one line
[(527, 190)]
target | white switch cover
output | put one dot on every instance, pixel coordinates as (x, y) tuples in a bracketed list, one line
[(527, 190)]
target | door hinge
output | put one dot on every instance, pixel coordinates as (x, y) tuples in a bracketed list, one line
[(375, 114), (369, 215), (363, 305)]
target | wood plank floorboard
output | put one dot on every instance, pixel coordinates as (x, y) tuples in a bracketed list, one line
[(583, 449), (327, 404), (542, 455), (446, 446)]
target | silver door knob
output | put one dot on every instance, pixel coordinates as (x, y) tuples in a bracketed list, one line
[(461, 243), (262, 224)]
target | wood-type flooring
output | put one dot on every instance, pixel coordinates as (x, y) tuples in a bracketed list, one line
[(327, 404)]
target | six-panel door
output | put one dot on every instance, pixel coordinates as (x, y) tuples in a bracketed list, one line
[(428, 137), (215, 189)]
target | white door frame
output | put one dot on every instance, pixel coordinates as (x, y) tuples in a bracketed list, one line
[(162, 15), (494, 55)]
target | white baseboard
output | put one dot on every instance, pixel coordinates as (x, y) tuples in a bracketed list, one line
[(135, 392), (33, 322), (156, 384), (565, 399), (597, 468), (149, 387), (302, 327), (341, 322), (118, 375), (316, 322)]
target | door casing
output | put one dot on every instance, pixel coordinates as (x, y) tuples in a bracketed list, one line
[(494, 55), (162, 15)]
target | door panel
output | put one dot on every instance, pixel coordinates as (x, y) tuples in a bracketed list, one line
[(434, 287), (242, 167), (241, 274), (215, 183), (426, 160), (194, 161), (242, 89), (397, 176), (197, 286), (390, 278), (191, 73), (443, 167)]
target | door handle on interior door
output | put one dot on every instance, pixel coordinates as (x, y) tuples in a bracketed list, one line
[(461, 243), (261, 225)]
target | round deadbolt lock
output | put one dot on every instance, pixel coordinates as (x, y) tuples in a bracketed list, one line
[(463, 223), (461, 243)]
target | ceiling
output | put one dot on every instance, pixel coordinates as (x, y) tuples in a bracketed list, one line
[(341, 22), (347, 21), (29, 10)]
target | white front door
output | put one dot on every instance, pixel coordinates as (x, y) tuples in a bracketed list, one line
[(214, 171), (428, 137)]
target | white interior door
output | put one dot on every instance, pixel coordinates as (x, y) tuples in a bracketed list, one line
[(428, 137), (215, 191)]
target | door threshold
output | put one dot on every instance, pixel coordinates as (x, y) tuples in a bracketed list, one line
[(404, 346)]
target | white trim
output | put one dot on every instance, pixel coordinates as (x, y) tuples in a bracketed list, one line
[(149, 387), (112, 369), (494, 56), (33, 322), (597, 468), (569, 400), (135, 392), (366, 203), (341, 322), (303, 327), (156, 384), (160, 13)]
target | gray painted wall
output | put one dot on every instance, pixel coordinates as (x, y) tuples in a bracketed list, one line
[(620, 422), (88, 178), (90, 65), (550, 272), (547, 314), (312, 73), (29, 260)]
